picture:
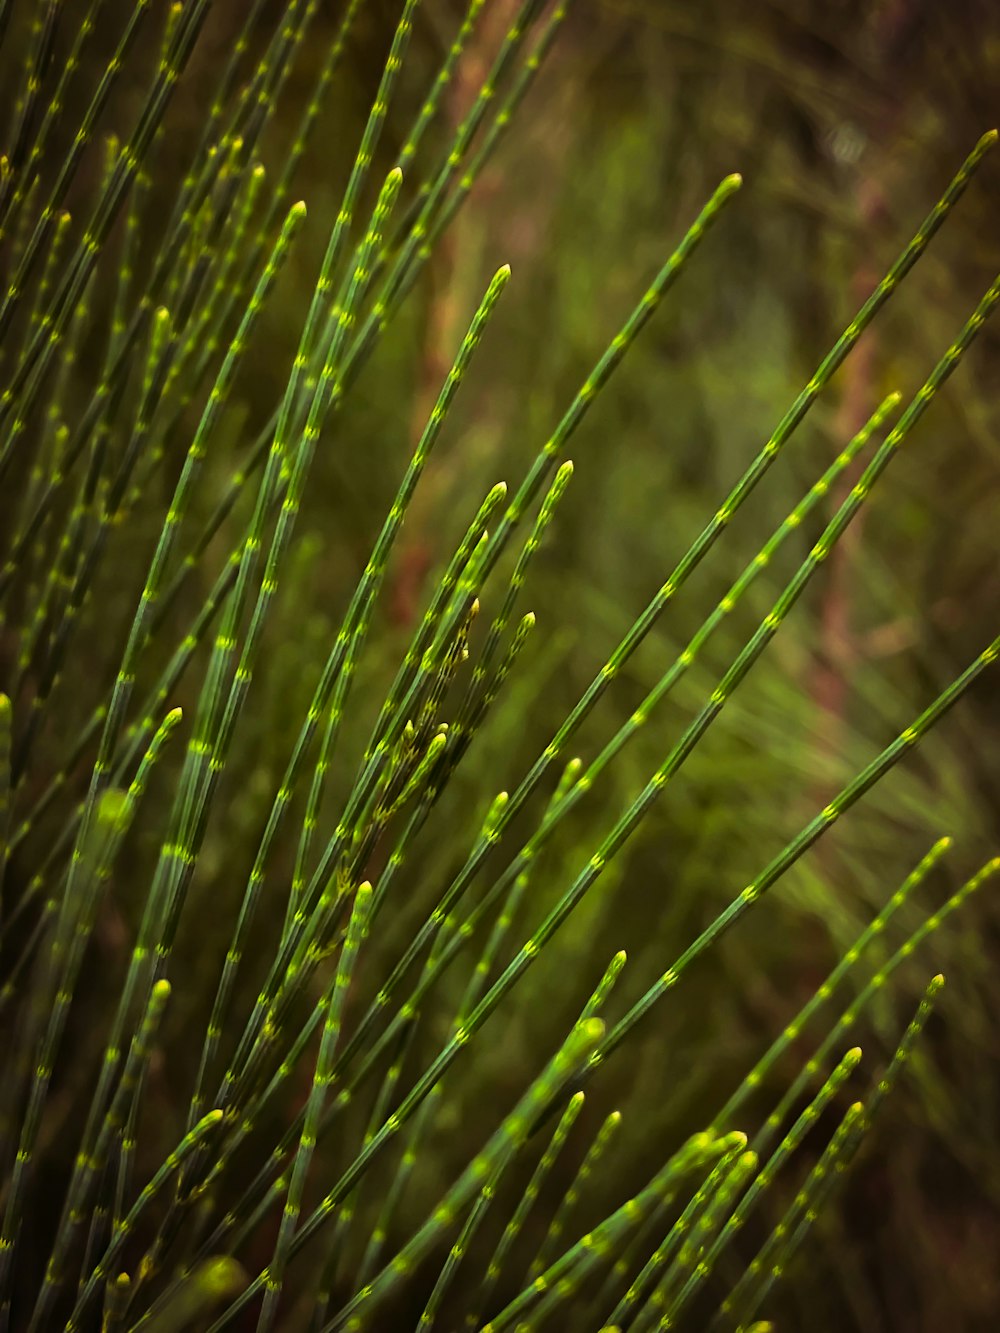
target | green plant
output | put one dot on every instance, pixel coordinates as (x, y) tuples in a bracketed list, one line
[(322, 1047)]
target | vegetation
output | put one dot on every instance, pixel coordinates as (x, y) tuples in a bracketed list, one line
[(320, 854)]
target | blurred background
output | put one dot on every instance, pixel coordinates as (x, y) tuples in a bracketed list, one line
[(846, 121)]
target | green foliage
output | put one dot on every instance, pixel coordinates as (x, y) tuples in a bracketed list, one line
[(304, 1018)]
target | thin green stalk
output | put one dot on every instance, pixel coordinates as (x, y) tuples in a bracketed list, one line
[(825, 990), (356, 932), (170, 1166), (597, 1246), (802, 1125)]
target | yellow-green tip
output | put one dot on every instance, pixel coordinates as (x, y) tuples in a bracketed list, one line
[(112, 806), (221, 1276), (593, 1029)]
